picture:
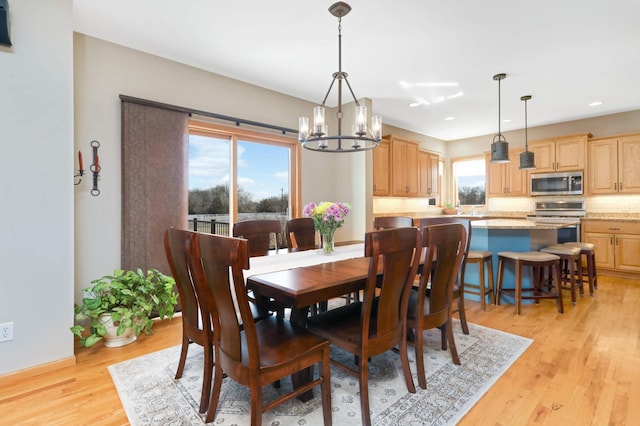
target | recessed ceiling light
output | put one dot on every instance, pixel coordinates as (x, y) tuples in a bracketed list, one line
[(418, 102), (449, 118), (455, 95), (506, 120), (595, 103), (405, 84), (438, 84)]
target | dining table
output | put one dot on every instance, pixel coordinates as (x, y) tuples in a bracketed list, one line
[(301, 279)]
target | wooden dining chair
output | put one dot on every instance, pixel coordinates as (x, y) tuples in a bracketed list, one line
[(196, 321), (253, 354), (479, 257), (386, 222), (258, 233), (301, 234), (377, 323), (447, 242)]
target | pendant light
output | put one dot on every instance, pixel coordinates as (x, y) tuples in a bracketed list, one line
[(527, 158), (499, 147)]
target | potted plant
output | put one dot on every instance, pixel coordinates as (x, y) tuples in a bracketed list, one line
[(122, 305)]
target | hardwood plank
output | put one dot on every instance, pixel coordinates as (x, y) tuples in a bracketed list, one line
[(582, 368)]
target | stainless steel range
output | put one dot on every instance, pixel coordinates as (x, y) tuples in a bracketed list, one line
[(561, 212)]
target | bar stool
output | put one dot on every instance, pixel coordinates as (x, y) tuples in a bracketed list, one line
[(538, 261), (483, 288), (588, 251), (570, 266)]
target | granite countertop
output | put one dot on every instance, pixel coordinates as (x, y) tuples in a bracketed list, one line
[(621, 217), (518, 224)]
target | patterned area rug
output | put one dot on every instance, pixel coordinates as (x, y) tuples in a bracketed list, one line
[(151, 396)]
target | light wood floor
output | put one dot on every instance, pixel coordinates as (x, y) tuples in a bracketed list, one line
[(583, 368)]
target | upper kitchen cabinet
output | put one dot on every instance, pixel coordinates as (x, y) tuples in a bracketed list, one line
[(381, 172), (404, 167), (428, 165), (506, 179), (560, 154), (613, 165)]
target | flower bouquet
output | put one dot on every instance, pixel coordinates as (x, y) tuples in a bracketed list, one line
[(327, 217)]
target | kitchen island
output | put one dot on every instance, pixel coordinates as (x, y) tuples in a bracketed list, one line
[(496, 235)]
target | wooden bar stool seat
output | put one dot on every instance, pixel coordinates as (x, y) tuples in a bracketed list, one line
[(570, 267), (588, 252), (483, 288), (538, 261)]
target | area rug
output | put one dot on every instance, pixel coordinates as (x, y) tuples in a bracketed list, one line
[(151, 396)]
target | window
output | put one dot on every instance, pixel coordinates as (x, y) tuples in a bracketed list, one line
[(469, 178), (237, 174)]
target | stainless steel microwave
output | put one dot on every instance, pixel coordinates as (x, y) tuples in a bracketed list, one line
[(568, 183)]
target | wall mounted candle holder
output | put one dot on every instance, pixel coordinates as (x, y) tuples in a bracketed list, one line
[(94, 168)]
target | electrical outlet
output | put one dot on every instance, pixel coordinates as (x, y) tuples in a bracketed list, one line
[(6, 331)]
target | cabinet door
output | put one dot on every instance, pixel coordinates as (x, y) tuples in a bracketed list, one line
[(515, 179), (603, 166), (428, 164), (495, 178), (413, 176), (604, 249), (434, 174), (629, 165), (381, 162), (399, 168), (404, 167), (627, 248), (545, 155), (570, 153)]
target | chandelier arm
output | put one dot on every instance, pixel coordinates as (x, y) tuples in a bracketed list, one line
[(351, 90), (329, 91)]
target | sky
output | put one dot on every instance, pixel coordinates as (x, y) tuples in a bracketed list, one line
[(263, 170)]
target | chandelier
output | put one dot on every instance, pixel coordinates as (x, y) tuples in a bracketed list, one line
[(362, 138), (499, 147)]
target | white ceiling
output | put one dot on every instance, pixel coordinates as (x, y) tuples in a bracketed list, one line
[(565, 53)]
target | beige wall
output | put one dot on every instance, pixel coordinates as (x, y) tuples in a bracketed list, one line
[(104, 70)]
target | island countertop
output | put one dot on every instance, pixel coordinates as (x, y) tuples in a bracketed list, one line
[(518, 224)]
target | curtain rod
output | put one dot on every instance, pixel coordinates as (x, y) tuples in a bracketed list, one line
[(191, 111)]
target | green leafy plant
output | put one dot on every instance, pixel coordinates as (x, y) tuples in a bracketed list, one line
[(131, 297)]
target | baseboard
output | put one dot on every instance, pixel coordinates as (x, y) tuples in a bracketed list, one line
[(11, 378)]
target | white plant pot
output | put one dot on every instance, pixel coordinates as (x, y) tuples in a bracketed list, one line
[(111, 339)]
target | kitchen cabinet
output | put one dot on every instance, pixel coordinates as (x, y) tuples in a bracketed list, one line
[(404, 167), (617, 244), (381, 172), (506, 179), (428, 170), (560, 154), (613, 165)]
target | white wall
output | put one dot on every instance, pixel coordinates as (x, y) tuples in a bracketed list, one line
[(36, 194)]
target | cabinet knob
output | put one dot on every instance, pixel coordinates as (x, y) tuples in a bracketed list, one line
[(620, 186)]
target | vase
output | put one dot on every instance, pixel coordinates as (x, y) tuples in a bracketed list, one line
[(327, 242), (111, 339)]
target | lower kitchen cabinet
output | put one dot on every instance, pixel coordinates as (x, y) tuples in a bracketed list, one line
[(617, 244)]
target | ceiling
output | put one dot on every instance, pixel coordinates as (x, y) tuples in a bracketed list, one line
[(566, 54)]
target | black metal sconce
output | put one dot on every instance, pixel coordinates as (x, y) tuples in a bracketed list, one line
[(94, 168)]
